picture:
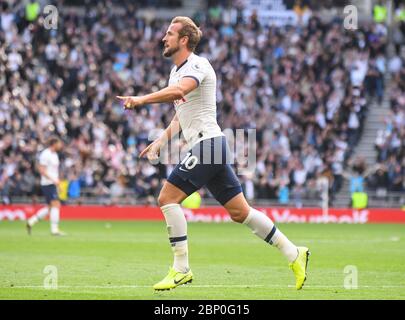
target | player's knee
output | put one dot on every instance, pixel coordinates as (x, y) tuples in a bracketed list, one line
[(165, 199), (237, 215), (161, 200), (54, 204)]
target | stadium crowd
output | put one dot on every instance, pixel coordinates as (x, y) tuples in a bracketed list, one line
[(303, 88), (390, 141)]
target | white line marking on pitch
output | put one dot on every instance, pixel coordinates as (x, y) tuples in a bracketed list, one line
[(204, 286), (136, 286)]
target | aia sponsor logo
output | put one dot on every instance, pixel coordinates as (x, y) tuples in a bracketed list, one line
[(179, 102)]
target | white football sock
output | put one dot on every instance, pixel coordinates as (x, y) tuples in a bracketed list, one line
[(264, 228), (40, 215), (54, 218), (177, 229)]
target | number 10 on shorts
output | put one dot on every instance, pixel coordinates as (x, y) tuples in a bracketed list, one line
[(189, 161)]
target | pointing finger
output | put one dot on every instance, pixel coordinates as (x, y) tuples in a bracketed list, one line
[(144, 151)]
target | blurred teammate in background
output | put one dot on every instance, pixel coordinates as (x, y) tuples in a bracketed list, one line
[(49, 170), (192, 90)]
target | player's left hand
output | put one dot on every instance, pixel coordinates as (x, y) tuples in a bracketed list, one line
[(152, 151), (131, 102)]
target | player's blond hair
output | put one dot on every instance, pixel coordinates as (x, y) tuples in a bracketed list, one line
[(189, 29), (52, 140)]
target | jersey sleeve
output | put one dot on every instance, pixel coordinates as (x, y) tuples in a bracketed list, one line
[(43, 159), (197, 70)]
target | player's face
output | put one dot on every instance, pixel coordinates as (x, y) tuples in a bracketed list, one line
[(58, 146), (171, 40)]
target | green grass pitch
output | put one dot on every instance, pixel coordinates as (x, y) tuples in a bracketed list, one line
[(122, 260)]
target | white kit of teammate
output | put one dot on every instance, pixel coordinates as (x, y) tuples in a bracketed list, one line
[(49, 171)]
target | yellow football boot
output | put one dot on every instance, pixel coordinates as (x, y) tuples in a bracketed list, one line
[(174, 279), (299, 267)]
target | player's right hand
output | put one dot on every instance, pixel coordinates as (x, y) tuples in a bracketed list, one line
[(130, 102), (152, 151)]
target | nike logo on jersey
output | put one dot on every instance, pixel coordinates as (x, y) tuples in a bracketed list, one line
[(181, 169)]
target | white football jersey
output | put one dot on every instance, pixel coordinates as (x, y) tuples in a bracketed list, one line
[(50, 161), (197, 111)]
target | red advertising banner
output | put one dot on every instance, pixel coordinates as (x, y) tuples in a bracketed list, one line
[(212, 214)]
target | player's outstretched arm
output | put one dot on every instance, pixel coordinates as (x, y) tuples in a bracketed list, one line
[(168, 94)]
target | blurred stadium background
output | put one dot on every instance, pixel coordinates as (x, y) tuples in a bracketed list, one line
[(328, 106), (326, 102)]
